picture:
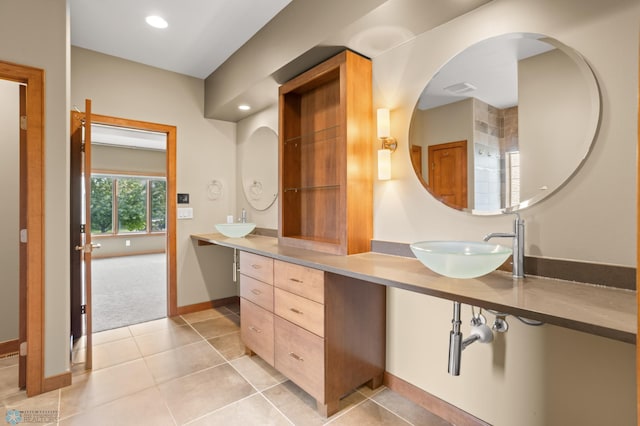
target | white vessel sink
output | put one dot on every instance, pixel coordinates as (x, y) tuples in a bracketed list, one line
[(235, 230), (460, 259)]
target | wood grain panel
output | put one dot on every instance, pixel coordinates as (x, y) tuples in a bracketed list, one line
[(256, 266), (256, 330), (354, 334), (306, 282), (299, 355), (300, 311), (325, 142), (257, 292)]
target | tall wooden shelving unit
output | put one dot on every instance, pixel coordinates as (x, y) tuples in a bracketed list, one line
[(326, 157)]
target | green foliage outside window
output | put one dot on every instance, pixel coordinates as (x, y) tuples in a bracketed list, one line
[(158, 205), (132, 204), (101, 204), (132, 201)]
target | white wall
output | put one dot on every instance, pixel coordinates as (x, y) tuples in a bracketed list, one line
[(205, 151), (9, 209), (36, 33), (531, 376)]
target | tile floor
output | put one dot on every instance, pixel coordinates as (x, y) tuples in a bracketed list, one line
[(190, 370)]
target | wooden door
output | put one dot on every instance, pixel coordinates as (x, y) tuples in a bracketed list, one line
[(416, 158), (80, 220), (448, 173)]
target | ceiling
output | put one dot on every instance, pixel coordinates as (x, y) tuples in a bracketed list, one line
[(201, 35), (244, 49)]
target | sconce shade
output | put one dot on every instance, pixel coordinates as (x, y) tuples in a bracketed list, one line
[(384, 164), (384, 124)]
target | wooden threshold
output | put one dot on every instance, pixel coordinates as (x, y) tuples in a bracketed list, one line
[(187, 309)]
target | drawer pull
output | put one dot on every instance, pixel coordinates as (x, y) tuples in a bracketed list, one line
[(257, 330), (255, 266), (296, 311), (296, 357), (295, 280), (256, 292)]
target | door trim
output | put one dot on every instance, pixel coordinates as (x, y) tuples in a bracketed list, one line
[(171, 132), (33, 256)]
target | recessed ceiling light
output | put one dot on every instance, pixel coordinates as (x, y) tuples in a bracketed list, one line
[(244, 107), (156, 21)]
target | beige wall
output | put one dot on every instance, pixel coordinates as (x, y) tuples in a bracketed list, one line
[(530, 376), (39, 34), (9, 209), (110, 158), (552, 103), (205, 151)]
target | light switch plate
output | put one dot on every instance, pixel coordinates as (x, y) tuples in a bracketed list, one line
[(185, 212)]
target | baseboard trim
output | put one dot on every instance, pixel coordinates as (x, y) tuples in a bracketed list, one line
[(437, 406), (187, 309), (96, 255), (9, 347), (57, 382)]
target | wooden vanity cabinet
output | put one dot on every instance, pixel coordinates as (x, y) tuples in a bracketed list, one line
[(256, 305), (325, 332), (329, 332), (326, 157)]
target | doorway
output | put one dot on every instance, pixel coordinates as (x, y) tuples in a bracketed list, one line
[(31, 222), (81, 288)]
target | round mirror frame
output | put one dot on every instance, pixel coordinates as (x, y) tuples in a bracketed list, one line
[(590, 126), (260, 180)]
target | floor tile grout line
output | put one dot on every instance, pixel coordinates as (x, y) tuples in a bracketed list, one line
[(262, 395), (392, 412), (261, 392), (221, 408), (343, 412)]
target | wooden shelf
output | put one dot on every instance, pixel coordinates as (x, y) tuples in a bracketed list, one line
[(325, 136)]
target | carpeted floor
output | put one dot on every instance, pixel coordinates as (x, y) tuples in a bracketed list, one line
[(128, 290)]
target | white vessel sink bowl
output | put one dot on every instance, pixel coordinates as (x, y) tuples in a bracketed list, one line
[(460, 259), (235, 230)]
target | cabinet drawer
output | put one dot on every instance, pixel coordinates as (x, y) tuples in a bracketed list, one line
[(306, 282), (255, 266), (256, 329), (300, 356), (300, 311), (256, 291)]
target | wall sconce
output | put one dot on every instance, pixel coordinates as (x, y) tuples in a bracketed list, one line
[(389, 144)]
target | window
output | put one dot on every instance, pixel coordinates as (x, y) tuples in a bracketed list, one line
[(513, 178), (127, 204)]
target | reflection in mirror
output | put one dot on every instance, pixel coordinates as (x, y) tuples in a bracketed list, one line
[(260, 169), (504, 124)]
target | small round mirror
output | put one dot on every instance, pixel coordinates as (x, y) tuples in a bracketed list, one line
[(504, 124), (260, 168)]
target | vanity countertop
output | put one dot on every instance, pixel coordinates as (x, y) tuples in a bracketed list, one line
[(604, 311)]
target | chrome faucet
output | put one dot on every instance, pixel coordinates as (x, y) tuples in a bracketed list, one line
[(243, 216), (518, 245)]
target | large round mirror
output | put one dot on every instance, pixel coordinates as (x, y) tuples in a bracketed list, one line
[(260, 168), (504, 124)]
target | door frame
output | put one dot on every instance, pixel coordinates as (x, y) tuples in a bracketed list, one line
[(32, 254), (171, 137)]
